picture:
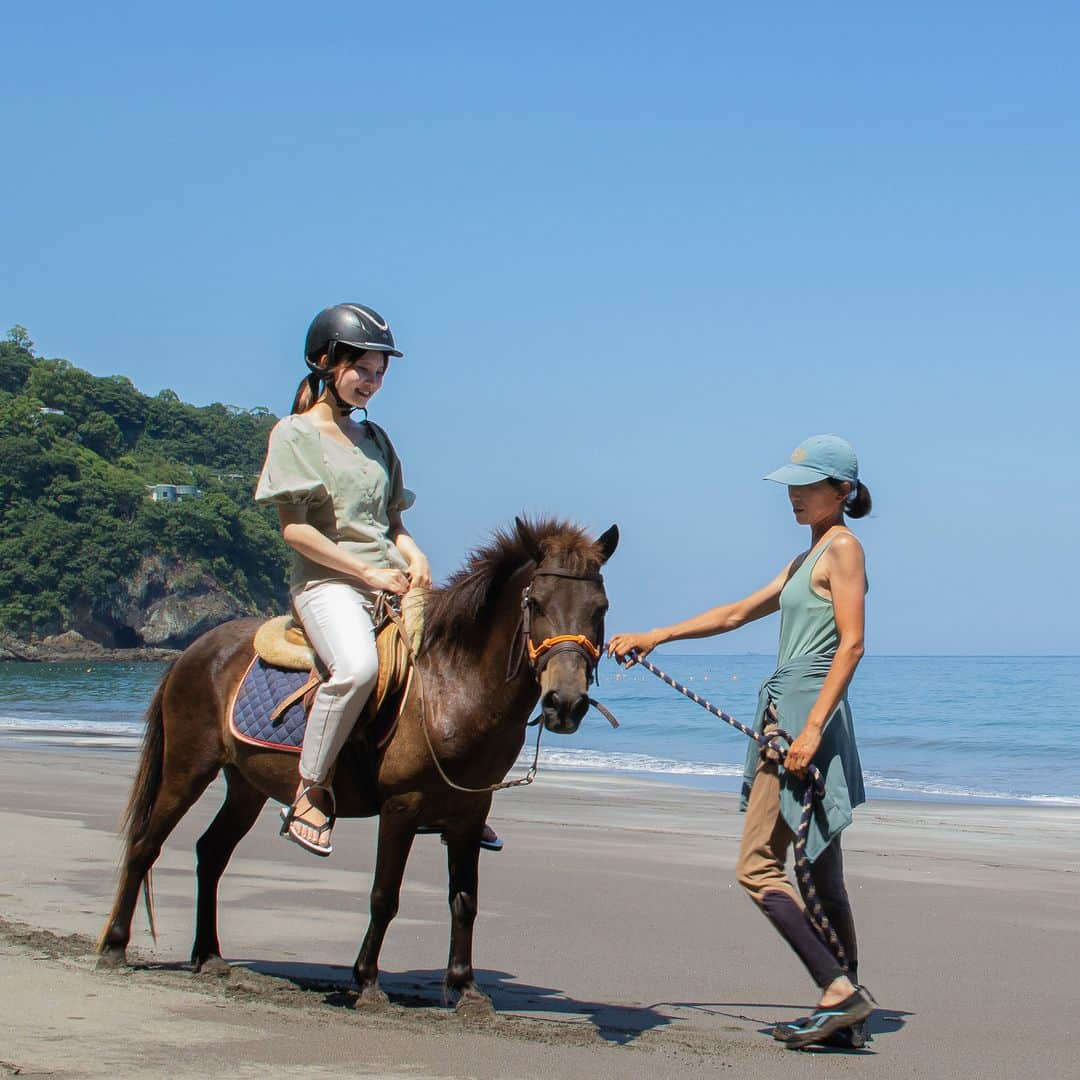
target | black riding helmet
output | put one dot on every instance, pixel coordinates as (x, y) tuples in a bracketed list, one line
[(348, 324), (355, 325)]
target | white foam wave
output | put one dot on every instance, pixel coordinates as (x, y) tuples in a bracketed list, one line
[(595, 759), (42, 725), (950, 791), (645, 763)]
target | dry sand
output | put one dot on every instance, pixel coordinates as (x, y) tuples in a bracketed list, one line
[(611, 938)]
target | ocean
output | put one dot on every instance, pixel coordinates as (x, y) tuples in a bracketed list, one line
[(934, 728)]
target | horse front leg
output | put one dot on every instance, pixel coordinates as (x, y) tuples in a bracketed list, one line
[(463, 857), (396, 831)]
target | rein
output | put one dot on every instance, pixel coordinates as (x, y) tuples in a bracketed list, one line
[(815, 789), (539, 655)]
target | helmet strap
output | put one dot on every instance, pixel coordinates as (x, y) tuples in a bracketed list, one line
[(343, 407), (327, 376)]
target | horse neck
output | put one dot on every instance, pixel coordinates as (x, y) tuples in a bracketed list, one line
[(485, 665)]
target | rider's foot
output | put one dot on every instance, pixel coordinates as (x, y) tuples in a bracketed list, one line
[(489, 838), (310, 820)]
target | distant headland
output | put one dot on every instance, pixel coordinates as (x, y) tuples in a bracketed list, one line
[(127, 526)]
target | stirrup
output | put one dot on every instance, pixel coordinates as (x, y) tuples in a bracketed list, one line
[(289, 816)]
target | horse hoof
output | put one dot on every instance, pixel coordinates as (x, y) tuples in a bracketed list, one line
[(372, 999), (111, 959), (212, 966), (474, 1005)]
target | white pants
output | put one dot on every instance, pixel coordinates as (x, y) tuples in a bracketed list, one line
[(337, 620)]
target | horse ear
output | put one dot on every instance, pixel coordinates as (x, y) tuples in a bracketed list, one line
[(528, 540), (609, 542)]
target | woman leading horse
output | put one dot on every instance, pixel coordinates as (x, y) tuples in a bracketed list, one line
[(820, 595)]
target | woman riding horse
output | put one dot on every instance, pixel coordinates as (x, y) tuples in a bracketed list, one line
[(339, 492)]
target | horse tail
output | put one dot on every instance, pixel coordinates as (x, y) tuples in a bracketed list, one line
[(145, 790)]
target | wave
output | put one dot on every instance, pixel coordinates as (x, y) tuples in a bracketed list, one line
[(61, 731), (604, 762), (645, 763), (40, 725)]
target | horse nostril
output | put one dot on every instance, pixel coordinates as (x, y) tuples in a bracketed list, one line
[(581, 707), (552, 702)]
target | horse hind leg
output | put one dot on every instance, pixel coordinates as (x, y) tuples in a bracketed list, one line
[(240, 810), (176, 796)]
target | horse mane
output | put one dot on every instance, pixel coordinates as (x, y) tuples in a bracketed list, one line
[(453, 612)]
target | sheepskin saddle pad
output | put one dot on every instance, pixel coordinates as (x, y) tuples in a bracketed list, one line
[(271, 704)]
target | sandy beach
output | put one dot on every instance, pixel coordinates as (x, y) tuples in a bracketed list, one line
[(611, 937)]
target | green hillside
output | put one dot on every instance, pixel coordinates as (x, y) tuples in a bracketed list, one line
[(77, 520)]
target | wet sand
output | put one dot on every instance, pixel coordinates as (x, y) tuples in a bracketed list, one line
[(611, 937)]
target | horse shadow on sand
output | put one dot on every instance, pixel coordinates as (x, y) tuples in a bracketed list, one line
[(423, 989), (619, 1024)]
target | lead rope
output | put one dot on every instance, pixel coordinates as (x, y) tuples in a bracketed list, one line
[(815, 789)]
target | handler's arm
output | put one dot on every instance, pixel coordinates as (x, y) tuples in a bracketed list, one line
[(717, 620), (847, 583), (312, 544)]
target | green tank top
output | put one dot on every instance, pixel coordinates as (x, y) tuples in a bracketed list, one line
[(807, 621)]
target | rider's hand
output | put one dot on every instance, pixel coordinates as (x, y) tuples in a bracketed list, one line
[(389, 580), (621, 645), (802, 750), (420, 573)]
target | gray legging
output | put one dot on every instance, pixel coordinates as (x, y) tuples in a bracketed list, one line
[(337, 619)]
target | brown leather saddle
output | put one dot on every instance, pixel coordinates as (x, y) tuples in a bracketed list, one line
[(281, 642)]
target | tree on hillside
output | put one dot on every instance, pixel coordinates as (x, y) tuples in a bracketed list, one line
[(16, 359), (20, 337)]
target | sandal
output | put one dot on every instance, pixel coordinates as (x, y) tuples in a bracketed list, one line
[(489, 838), (822, 1023), (850, 1038), (289, 818)]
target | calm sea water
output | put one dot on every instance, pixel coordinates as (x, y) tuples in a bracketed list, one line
[(969, 728)]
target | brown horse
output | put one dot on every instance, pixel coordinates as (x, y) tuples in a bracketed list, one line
[(486, 658)]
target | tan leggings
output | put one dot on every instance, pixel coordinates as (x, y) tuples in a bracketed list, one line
[(762, 873)]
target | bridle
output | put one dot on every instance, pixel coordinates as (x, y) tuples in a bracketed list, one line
[(540, 655)]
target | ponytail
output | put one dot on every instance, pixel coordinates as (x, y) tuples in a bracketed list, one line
[(858, 502), (307, 393)]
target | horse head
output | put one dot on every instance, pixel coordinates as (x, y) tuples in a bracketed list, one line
[(563, 609)]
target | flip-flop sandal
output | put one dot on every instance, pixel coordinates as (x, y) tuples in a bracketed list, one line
[(822, 1023), (289, 818), (494, 844)]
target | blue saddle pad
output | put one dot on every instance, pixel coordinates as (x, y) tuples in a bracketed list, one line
[(263, 687)]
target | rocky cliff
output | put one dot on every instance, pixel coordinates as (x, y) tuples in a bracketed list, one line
[(164, 606)]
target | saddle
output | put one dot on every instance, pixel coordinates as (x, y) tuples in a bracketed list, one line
[(281, 643)]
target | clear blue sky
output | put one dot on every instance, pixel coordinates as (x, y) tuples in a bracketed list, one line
[(634, 255)]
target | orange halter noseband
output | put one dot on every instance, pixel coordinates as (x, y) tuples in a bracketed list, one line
[(579, 641)]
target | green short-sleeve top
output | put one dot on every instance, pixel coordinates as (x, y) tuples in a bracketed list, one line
[(349, 491)]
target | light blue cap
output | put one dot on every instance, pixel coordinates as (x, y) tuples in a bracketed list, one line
[(819, 458)]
